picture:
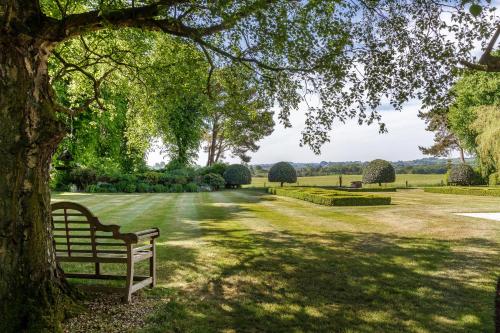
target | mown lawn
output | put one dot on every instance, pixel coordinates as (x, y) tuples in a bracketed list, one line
[(246, 261), (333, 180)]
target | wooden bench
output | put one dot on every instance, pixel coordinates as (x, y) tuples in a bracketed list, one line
[(79, 236)]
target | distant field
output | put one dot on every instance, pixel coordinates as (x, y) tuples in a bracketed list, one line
[(333, 180)]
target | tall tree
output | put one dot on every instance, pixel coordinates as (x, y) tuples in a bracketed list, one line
[(445, 141), (238, 117), (351, 54), (181, 129)]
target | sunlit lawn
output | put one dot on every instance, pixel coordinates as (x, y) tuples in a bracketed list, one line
[(245, 261), (333, 180)]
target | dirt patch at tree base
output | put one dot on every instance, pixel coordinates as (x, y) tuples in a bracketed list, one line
[(106, 313)]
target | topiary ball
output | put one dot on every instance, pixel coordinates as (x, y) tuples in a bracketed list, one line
[(379, 171), (282, 172), (462, 174), (237, 175)]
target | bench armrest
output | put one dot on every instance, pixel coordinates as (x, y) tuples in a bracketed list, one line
[(148, 233)]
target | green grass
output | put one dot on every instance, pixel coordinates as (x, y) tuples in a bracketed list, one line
[(466, 190), (246, 261), (333, 180), (329, 197)]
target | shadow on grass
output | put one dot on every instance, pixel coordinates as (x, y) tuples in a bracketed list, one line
[(330, 282)]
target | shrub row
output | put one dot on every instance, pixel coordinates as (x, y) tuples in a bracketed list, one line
[(329, 197), (185, 179), (482, 191), (141, 188)]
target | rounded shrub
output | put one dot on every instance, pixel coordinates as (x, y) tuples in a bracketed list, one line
[(83, 177), (282, 172), (462, 174), (214, 180), (237, 175), (379, 171)]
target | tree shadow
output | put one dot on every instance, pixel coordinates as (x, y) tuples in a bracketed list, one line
[(331, 282)]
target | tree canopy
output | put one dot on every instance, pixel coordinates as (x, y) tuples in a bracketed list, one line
[(350, 57)]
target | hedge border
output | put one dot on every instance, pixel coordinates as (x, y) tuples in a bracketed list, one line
[(354, 190), (329, 197), (490, 192)]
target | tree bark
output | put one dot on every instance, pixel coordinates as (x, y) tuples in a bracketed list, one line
[(462, 155), (32, 288), (213, 142)]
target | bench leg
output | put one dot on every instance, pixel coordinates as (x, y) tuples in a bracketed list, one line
[(97, 268), (152, 264), (127, 297)]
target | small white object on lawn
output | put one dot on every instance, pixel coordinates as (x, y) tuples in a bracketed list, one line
[(489, 216)]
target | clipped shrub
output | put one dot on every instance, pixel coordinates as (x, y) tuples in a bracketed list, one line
[(143, 187), (101, 188), (151, 177), (237, 175), (494, 179), (480, 191), (214, 180), (176, 188), (282, 172), (330, 197), (462, 174), (130, 188), (191, 187), (82, 177), (379, 171), (218, 168), (159, 188)]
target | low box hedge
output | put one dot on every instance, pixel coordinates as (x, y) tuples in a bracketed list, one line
[(363, 189), (329, 197), (482, 191)]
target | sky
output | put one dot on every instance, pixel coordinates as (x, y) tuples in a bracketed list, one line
[(349, 141)]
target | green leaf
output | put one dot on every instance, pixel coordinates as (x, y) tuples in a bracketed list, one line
[(475, 9)]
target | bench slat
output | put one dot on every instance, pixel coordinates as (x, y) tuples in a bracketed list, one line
[(90, 244), (67, 214), (72, 222), (99, 251), (84, 236), (110, 260), (73, 229)]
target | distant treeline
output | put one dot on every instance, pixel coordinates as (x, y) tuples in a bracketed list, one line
[(423, 166), (357, 169)]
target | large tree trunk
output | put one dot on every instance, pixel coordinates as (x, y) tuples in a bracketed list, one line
[(32, 288)]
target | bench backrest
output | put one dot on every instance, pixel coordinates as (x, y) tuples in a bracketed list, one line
[(78, 233)]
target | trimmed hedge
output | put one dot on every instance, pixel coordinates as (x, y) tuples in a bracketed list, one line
[(282, 172), (354, 190), (379, 171), (329, 197), (482, 191)]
